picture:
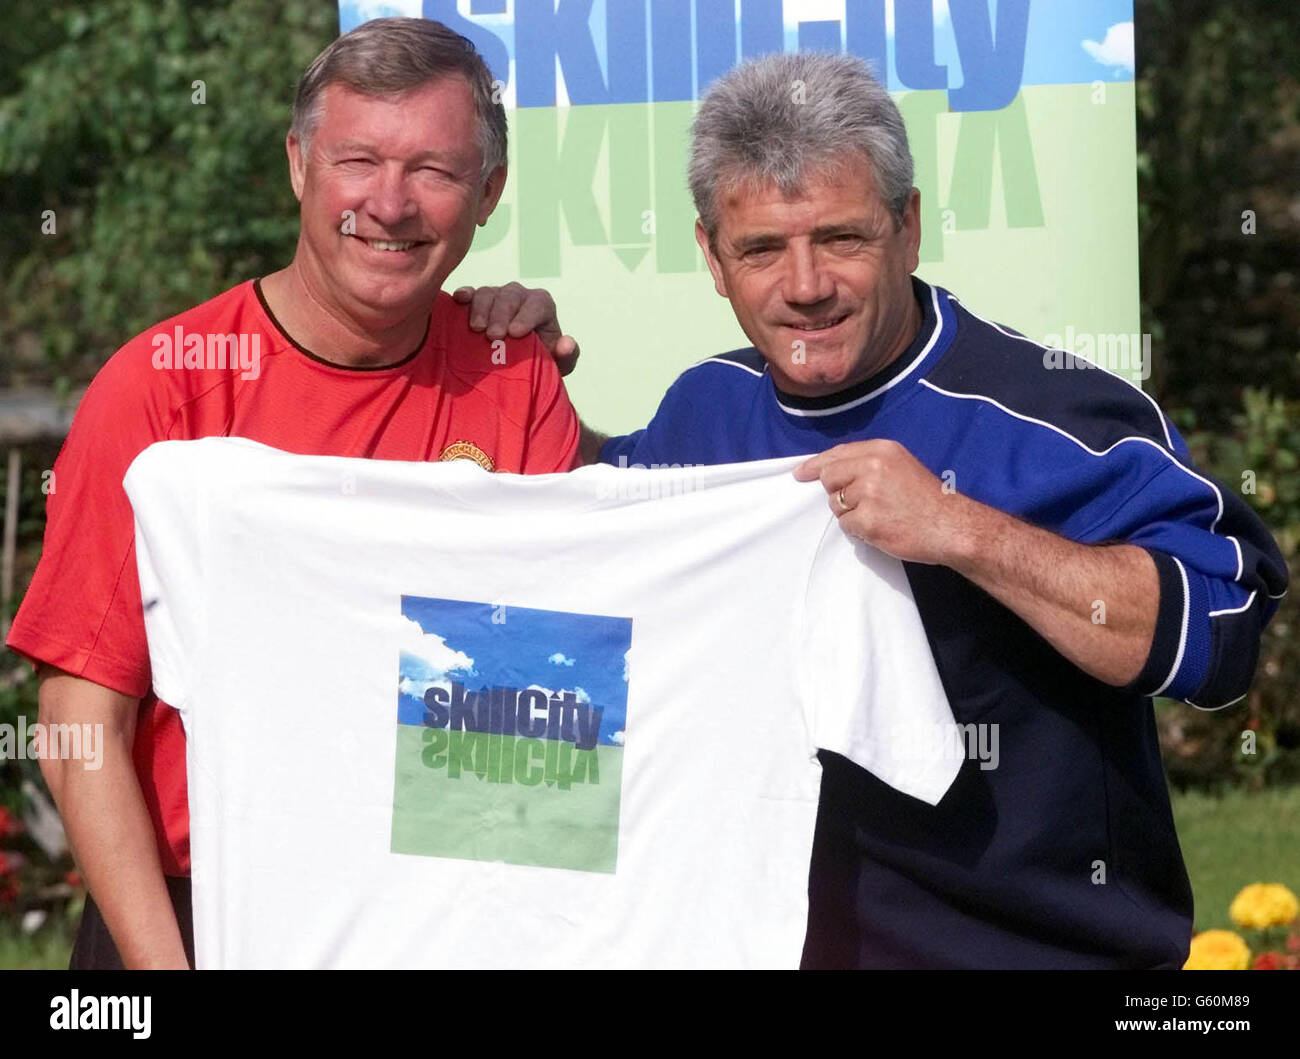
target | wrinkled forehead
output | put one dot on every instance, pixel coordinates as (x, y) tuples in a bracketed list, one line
[(835, 180), (435, 117), (446, 96)]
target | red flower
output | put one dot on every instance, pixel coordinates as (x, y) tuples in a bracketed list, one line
[(8, 825), (5, 866), (73, 878), (8, 890), (1269, 961), (1293, 943)]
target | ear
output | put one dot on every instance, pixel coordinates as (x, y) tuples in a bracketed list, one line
[(912, 230), (715, 266), (492, 188), (297, 164)]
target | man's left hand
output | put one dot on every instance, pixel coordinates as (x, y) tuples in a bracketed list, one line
[(514, 310), (882, 494)]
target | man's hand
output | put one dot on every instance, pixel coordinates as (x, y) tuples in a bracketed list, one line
[(881, 493), (514, 310)]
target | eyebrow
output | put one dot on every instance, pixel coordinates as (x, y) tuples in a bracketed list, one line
[(762, 240), (758, 241), (348, 146)]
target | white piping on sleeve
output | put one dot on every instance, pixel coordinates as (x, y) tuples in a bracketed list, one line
[(1211, 709), (1182, 633), (1164, 426), (1241, 562), (1236, 610), (1065, 434)]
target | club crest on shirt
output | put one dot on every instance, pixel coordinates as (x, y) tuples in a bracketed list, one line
[(467, 450)]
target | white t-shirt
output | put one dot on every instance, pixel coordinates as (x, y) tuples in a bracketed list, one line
[(438, 717)]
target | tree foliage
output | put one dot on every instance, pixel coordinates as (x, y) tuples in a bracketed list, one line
[(1218, 101), (1219, 135), (159, 201)]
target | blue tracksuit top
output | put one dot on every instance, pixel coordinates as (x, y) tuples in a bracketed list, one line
[(1064, 855)]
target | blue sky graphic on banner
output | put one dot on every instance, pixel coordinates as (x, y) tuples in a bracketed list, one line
[(1020, 116), (982, 54)]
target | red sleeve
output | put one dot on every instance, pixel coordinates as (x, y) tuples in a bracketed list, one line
[(82, 611), (552, 443)]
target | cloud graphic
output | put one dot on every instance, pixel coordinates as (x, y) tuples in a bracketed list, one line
[(416, 688), (619, 737), (559, 659), (1116, 50), (429, 655)]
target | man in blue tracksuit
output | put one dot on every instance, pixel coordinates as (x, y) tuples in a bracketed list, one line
[(1066, 558)]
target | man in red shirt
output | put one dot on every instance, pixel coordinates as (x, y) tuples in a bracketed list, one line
[(397, 151)]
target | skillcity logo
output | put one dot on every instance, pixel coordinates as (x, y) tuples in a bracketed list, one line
[(511, 724)]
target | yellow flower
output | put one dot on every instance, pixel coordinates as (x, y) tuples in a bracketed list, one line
[(1217, 950), (1264, 905)]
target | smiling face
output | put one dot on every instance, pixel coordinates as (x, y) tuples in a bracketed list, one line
[(408, 167), (820, 281)]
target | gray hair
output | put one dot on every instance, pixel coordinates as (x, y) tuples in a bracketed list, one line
[(388, 56), (775, 118)]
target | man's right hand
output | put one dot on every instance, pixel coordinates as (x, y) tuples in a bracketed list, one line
[(514, 310), (107, 823)]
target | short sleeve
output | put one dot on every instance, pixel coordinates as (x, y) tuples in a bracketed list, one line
[(553, 429), (81, 612), (869, 683)]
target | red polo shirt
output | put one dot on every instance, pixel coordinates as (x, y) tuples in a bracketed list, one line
[(227, 368)]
